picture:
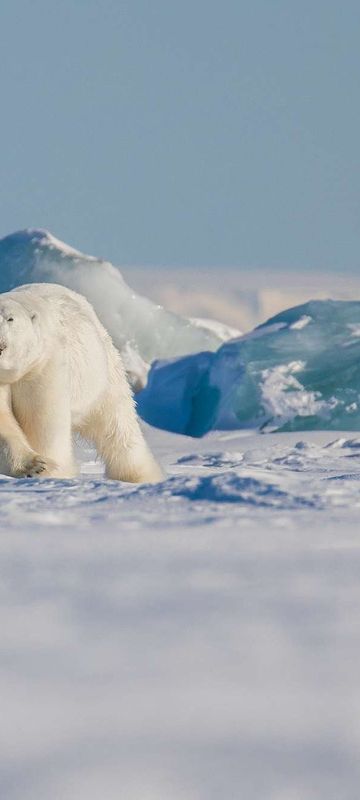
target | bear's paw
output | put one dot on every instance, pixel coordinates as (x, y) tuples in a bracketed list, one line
[(34, 466)]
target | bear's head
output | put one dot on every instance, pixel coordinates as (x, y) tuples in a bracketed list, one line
[(20, 341)]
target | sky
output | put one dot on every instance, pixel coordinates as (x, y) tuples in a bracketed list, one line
[(192, 133)]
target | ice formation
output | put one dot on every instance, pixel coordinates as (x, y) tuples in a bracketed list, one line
[(139, 327), (298, 371)]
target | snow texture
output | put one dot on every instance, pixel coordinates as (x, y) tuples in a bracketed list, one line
[(192, 640)]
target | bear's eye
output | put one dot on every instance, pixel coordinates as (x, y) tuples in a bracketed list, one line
[(10, 319)]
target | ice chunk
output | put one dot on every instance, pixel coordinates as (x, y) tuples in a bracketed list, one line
[(298, 371), (300, 323), (136, 368), (221, 329)]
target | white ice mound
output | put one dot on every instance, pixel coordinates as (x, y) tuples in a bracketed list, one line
[(139, 327)]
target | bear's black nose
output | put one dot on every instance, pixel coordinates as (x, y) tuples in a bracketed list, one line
[(2, 347)]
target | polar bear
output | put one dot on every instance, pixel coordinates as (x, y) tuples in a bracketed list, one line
[(60, 373)]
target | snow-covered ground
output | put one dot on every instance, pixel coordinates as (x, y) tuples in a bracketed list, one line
[(195, 640)]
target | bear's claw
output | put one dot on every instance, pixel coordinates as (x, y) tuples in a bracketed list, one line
[(36, 466)]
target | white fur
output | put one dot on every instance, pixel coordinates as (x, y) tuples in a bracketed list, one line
[(60, 373)]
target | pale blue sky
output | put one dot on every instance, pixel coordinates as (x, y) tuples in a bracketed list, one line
[(184, 133)]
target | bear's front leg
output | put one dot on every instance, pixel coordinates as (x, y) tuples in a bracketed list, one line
[(17, 457), (41, 405)]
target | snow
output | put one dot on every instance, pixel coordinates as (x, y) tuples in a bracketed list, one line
[(223, 331), (192, 640), (301, 323)]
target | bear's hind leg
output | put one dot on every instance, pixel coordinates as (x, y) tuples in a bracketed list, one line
[(115, 431)]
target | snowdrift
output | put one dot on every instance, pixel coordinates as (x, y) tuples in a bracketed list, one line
[(141, 329), (298, 371)]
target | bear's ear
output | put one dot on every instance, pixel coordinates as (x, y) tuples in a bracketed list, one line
[(33, 316)]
